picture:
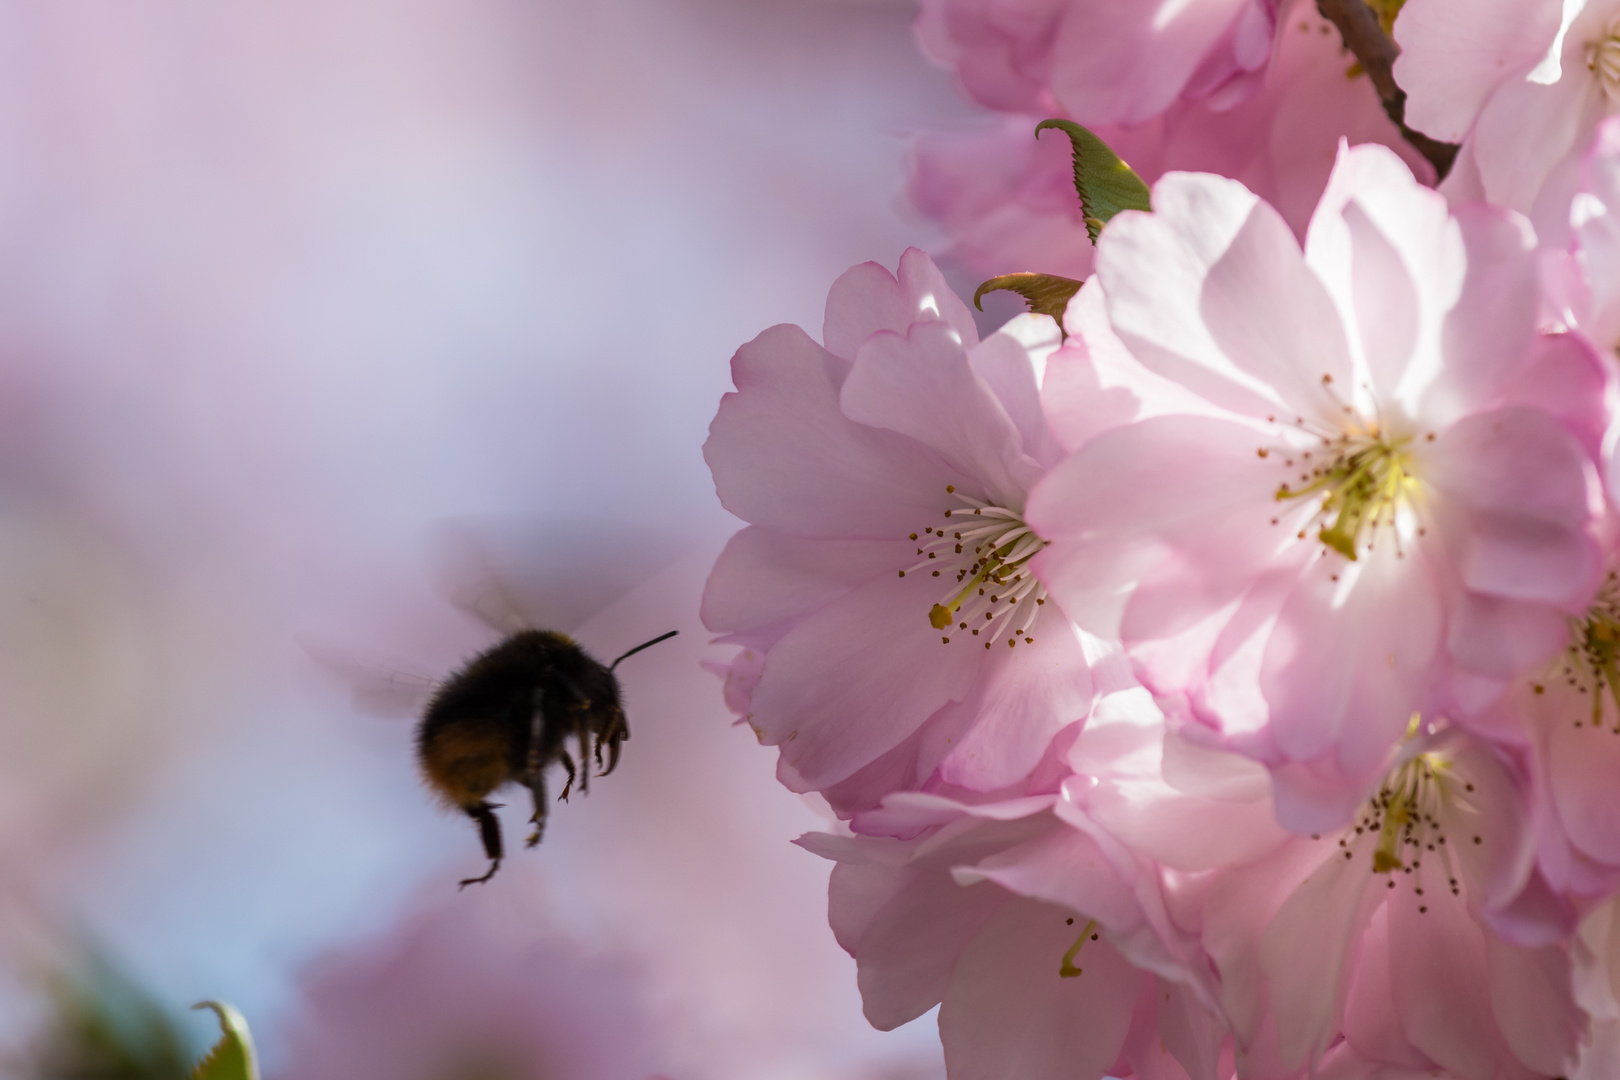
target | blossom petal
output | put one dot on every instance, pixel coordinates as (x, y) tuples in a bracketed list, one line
[(764, 576), (1008, 1012), (1520, 480), (1453, 55), (922, 385), (1211, 290), (1347, 661), (857, 677), (908, 952), (1532, 992), (1304, 952), (785, 456), (1022, 699), (867, 298), (1116, 509), (1443, 994), (1129, 66), (1526, 130), (1007, 361)]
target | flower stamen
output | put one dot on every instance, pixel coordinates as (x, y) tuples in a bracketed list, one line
[(988, 553), (1365, 481)]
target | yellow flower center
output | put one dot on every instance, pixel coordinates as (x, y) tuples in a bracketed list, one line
[(1591, 663), (984, 551), (1364, 480)]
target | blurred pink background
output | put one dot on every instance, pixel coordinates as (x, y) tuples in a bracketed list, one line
[(282, 284)]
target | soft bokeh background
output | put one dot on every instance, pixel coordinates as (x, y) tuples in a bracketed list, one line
[(282, 282)]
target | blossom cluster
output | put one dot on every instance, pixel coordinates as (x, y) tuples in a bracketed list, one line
[(1221, 678)]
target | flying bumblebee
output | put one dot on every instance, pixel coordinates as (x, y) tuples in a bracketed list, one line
[(507, 715), (517, 707)]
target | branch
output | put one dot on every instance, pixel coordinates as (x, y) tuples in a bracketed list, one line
[(1358, 26)]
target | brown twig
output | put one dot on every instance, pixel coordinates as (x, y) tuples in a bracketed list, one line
[(1359, 27)]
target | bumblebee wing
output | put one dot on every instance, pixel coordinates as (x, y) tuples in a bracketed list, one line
[(377, 686), (517, 575)]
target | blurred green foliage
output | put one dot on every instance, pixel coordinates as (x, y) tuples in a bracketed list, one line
[(102, 1025)]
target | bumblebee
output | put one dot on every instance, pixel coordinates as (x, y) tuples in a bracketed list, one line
[(506, 716)]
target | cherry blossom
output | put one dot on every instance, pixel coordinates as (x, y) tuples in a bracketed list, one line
[(1007, 200), (1377, 933), (882, 593), (1103, 63), (1379, 502), (1022, 930)]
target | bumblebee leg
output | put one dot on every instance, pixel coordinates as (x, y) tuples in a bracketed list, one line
[(584, 759), (567, 763), (537, 788), (613, 755), (537, 723), (489, 828), (612, 735)]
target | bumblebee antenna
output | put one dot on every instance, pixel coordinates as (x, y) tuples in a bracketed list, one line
[(644, 645)]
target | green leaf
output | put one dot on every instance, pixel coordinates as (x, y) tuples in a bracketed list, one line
[(1046, 294), (1106, 184), (232, 1057)]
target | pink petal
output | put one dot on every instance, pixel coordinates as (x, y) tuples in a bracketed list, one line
[(763, 576), (1127, 66), (867, 299), (1597, 232), (1094, 383), (1532, 994), (1007, 1012), (1004, 360), (922, 385), (907, 954), (1065, 867), (1443, 990), (1393, 260), (1347, 661), (1372, 1021), (1583, 762), (855, 678), (1527, 130), (1304, 950), (1491, 328), (1117, 509), (785, 456), (1022, 698), (1519, 480), (1453, 55), (1211, 291)]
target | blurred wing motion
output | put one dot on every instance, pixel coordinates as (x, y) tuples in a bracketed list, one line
[(378, 686), (518, 575)]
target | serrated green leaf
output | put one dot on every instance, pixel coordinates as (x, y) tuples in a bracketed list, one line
[(1105, 184), (232, 1057), (1046, 294)]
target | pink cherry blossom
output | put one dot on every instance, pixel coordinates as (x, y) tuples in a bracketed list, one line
[(1368, 950), (1007, 199), (1102, 63), (1006, 918), (1522, 84), (881, 590), (1564, 718), (1378, 501)]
